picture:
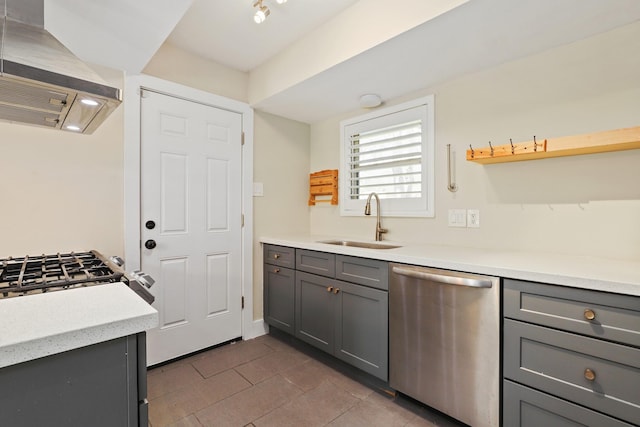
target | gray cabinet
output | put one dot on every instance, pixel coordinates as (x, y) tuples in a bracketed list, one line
[(101, 385), (314, 309), (279, 287), (566, 350), (347, 318), (361, 328), (315, 262), (527, 407), (280, 255)]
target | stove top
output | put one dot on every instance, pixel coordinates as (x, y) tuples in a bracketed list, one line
[(45, 273)]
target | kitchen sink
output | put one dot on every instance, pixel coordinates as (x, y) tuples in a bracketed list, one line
[(359, 244)]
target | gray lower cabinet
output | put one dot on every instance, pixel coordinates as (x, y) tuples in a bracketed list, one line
[(336, 303), (571, 357), (279, 297), (314, 309), (361, 328), (527, 407), (347, 320), (279, 287), (101, 385)]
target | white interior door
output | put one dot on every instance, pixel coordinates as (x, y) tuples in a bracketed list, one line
[(191, 181)]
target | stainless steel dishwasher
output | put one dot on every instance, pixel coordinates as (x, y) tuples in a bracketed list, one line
[(444, 341)]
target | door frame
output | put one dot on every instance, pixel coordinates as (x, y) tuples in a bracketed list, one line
[(132, 191)]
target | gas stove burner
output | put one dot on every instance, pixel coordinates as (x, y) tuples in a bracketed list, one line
[(44, 273)]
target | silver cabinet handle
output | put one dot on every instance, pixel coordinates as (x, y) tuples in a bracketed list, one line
[(443, 278)]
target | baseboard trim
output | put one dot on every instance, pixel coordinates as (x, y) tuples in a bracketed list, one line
[(256, 329)]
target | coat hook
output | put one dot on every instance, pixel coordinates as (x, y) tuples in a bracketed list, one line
[(491, 147), (512, 147), (535, 144), (472, 152)]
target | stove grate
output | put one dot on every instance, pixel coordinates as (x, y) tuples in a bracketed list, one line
[(43, 273)]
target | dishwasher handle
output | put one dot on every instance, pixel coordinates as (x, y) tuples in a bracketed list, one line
[(443, 278)]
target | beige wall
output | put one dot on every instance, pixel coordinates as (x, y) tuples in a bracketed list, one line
[(179, 66), (586, 205), (62, 191), (281, 163)]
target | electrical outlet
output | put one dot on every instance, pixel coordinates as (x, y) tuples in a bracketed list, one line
[(457, 218), (473, 218)]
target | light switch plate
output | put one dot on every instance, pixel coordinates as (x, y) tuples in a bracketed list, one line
[(258, 189), (457, 217), (473, 218)]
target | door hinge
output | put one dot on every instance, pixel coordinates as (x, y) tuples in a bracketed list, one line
[(243, 302), (242, 220), (242, 138)]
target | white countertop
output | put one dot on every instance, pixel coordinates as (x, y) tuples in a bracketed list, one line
[(585, 272), (39, 325)]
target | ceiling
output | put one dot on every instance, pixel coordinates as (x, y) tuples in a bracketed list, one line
[(473, 36), (224, 31)]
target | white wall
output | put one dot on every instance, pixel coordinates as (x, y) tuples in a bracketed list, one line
[(62, 191), (586, 205)]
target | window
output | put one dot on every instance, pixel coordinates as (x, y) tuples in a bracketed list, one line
[(389, 152)]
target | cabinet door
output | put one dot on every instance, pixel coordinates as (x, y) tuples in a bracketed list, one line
[(89, 386), (362, 328), (279, 297), (314, 310)]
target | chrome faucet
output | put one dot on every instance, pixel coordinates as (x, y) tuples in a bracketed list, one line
[(367, 211)]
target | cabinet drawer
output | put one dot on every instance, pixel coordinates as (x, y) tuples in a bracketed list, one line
[(526, 407), (614, 317), (315, 262), (558, 362), (279, 255), (368, 272)]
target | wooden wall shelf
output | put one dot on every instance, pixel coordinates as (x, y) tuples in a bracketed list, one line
[(323, 183), (600, 142)]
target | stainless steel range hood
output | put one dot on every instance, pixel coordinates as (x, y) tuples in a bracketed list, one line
[(41, 82)]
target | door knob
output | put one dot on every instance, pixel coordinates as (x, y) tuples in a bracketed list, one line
[(150, 225), (150, 244)]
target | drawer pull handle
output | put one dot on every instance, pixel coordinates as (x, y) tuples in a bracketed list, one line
[(330, 289), (589, 314), (589, 375), (277, 270), (336, 290), (276, 256)]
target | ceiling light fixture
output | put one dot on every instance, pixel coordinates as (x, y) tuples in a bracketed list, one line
[(262, 12), (370, 100)]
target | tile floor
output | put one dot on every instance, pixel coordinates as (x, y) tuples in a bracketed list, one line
[(273, 381)]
